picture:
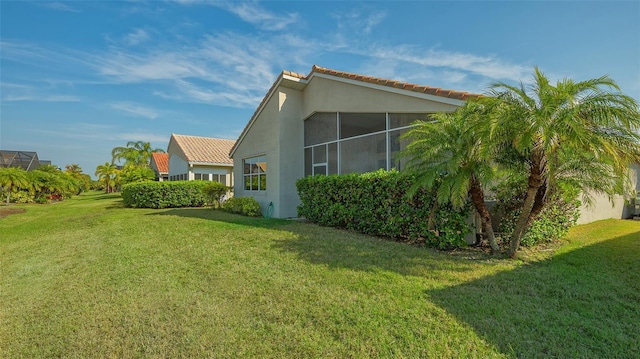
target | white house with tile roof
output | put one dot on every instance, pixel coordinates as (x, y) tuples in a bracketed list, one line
[(327, 122), (160, 165), (200, 158), (334, 122)]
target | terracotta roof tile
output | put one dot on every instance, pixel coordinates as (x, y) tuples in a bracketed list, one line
[(205, 149), (162, 161), (459, 95)]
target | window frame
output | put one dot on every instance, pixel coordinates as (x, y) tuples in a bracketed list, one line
[(253, 174)]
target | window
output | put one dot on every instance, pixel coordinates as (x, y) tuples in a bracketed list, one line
[(255, 173)]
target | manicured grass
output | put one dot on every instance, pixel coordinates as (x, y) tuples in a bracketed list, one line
[(88, 278)]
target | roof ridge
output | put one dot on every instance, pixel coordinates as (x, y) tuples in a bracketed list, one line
[(459, 95)]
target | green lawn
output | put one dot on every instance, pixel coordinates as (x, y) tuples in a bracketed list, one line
[(88, 278)]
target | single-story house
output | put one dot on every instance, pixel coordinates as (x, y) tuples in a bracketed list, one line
[(200, 158), (160, 165), (618, 207), (327, 122), (334, 122)]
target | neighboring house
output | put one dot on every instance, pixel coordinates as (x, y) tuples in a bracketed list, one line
[(200, 158), (26, 160), (327, 122), (160, 165), (617, 207)]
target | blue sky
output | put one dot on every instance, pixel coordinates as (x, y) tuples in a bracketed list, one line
[(79, 78)]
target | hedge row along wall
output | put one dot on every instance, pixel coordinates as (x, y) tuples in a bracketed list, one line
[(376, 204), (170, 194)]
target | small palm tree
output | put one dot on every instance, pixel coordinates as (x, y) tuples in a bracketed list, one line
[(582, 132), (136, 153), (12, 178), (452, 147), (106, 174)]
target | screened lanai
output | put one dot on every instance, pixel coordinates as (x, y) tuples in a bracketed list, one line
[(26, 160)]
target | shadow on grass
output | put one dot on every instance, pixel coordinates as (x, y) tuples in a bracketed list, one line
[(221, 216), (581, 304), (345, 249), (97, 196)]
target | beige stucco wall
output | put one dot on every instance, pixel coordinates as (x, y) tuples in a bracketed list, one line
[(262, 139), (177, 165), (219, 170), (603, 208), (325, 95)]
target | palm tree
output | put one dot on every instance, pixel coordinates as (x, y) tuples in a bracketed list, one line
[(106, 173), (83, 180), (73, 168), (12, 177), (135, 153), (452, 148), (585, 133)]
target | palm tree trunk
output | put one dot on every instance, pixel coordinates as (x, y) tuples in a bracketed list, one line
[(538, 204), (9, 194), (477, 197), (535, 182)]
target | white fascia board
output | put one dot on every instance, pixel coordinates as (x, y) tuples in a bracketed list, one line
[(191, 164), (434, 98)]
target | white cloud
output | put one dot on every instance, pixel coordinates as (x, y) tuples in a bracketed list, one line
[(135, 110), (136, 37), (258, 16), (358, 21), (60, 6), (12, 92)]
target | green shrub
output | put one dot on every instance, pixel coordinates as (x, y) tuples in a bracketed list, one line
[(22, 197), (172, 194), (376, 204), (246, 206), (213, 193), (559, 214)]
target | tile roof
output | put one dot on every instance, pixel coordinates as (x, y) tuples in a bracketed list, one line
[(435, 91), (204, 149), (458, 95), (162, 161)]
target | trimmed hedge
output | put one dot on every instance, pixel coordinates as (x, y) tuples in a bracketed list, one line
[(246, 206), (376, 204), (171, 194)]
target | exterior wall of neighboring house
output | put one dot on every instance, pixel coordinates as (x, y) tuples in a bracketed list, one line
[(221, 174), (178, 167), (278, 132), (604, 208)]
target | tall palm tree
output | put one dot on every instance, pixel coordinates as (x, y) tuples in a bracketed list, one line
[(452, 147), (12, 177), (106, 174), (582, 132), (137, 153)]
